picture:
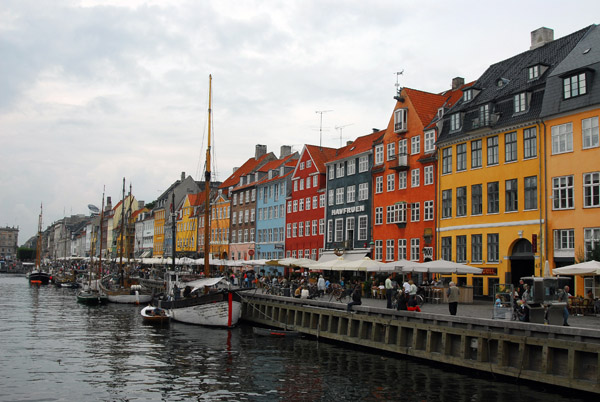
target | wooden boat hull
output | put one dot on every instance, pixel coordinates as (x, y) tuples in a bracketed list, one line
[(150, 316), (209, 310)]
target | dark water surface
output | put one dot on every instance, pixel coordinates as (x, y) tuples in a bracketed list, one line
[(53, 349)]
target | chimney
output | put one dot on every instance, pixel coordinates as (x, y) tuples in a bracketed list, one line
[(348, 142), (182, 176), (260, 151), (457, 82), (540, 37), (141, 204), (286, 150), (375, 130), (108, 206)]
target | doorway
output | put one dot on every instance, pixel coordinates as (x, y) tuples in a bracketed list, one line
[(522, 261)]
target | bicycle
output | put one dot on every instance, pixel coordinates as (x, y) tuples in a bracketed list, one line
[(338, 292)]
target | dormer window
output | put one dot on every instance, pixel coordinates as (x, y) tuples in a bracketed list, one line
[(455, 122), (301, 165), (502, 82), (281, 171), (484, 115), (400, 120), (521, 102), (533, 72), (440, 113), (468, 95), (574, 85)]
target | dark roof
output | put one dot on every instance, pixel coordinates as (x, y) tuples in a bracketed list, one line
[(513, 74), (584, 57)]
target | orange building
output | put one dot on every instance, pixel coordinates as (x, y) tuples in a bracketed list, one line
[(404, 174)]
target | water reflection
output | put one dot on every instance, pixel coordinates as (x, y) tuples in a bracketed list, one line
[(56, 349)]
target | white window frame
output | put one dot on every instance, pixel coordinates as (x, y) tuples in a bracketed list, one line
[(400, 120), (562, 138), (378, 154), (590, 133)]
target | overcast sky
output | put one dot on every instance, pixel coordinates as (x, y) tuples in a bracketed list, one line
[(93, 91)]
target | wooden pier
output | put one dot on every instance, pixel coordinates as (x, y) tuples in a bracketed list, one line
[(556, 355)]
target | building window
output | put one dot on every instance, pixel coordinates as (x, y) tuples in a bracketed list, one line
[(511, 193), (339, 196), (574, 85), (329, 230), (455, 122), (363, 191), (476, 199), (562, 138), (402, 249), (379, 184), (308, 163), (314, 227), (315, 181), (476, 158), (447, 204), (351, 168), (378, 250), (562, 192), (340, 169), (363, 163), (401, 180), (529, 143), (379, 154), (289, 207), (350, 193), (428, 173), (429, 141), (530, 192), (396, 213), (379, 215), (330, 198), (520, 102), (415, 248), (300, 229), (321, 226), (461, 248), (415, 212), (447, 248), (428, 210), (564, 240), (415, 177), (493, 196), (389, 249), (461, 201), (391, 182), (339, 230), (362, 227), (589, 131), (510, 147), (331, 174), (533, 72), (461, 157), (294, 229), (591, 190), (402, 147), (447, 160), (321, 200), (300, 207), (467, 95), (591, 237), (391, 150), (400, 120), (415, 145), (493, 247), (492, 150), (484, 115), (476, 248), (315, 204)]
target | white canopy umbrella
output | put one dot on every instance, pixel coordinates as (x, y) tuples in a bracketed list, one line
[(583, 268), (403, 266), (442, 267)]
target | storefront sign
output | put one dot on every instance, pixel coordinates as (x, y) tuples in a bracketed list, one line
[(348, 210), (489, 271)]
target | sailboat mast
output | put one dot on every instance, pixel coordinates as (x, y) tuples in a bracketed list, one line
[(122, 230), (101, 233), (207, 187), (38, 252)]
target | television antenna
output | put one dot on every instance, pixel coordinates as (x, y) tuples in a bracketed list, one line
[(397, 85), (340, 128), (321, 125)]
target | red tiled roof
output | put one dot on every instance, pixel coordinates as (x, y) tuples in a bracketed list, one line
[(425, 104), (359, 145), (321, 155), (197, 199), (246, 168)]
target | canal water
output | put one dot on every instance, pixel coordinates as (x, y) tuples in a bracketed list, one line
[(53, 349)]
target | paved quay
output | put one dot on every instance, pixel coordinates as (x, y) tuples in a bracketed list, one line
[(478, 309)]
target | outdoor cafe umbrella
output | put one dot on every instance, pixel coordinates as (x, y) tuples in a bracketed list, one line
[(442, 267), (583, 268)]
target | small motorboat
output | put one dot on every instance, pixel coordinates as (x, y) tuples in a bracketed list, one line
[(155, 315), (279, 333), (91, 298)]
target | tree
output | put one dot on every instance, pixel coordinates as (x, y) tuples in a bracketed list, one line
[(25, 254)]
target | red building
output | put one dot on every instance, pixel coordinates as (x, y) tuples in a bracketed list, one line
[(305, 209)]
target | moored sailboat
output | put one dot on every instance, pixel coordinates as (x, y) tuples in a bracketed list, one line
[(38, 276), (206, 301)]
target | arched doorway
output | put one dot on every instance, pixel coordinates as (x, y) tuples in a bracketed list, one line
[(522, 261)]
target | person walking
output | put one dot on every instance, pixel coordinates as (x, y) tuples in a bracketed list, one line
[(321, 285), (564, 297), (453, 292), (389, 287)]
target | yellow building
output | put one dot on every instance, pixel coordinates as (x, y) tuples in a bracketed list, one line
[(219, 227), (159, 232), (490, 193), (187, 225), (571, 112), (124, 209)]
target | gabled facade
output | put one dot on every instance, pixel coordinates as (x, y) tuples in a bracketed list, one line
[(187, 224), (570, 113), (219, 226), (272, 192), (349, 197), (404, 173), (490, 169), (309, 182)]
